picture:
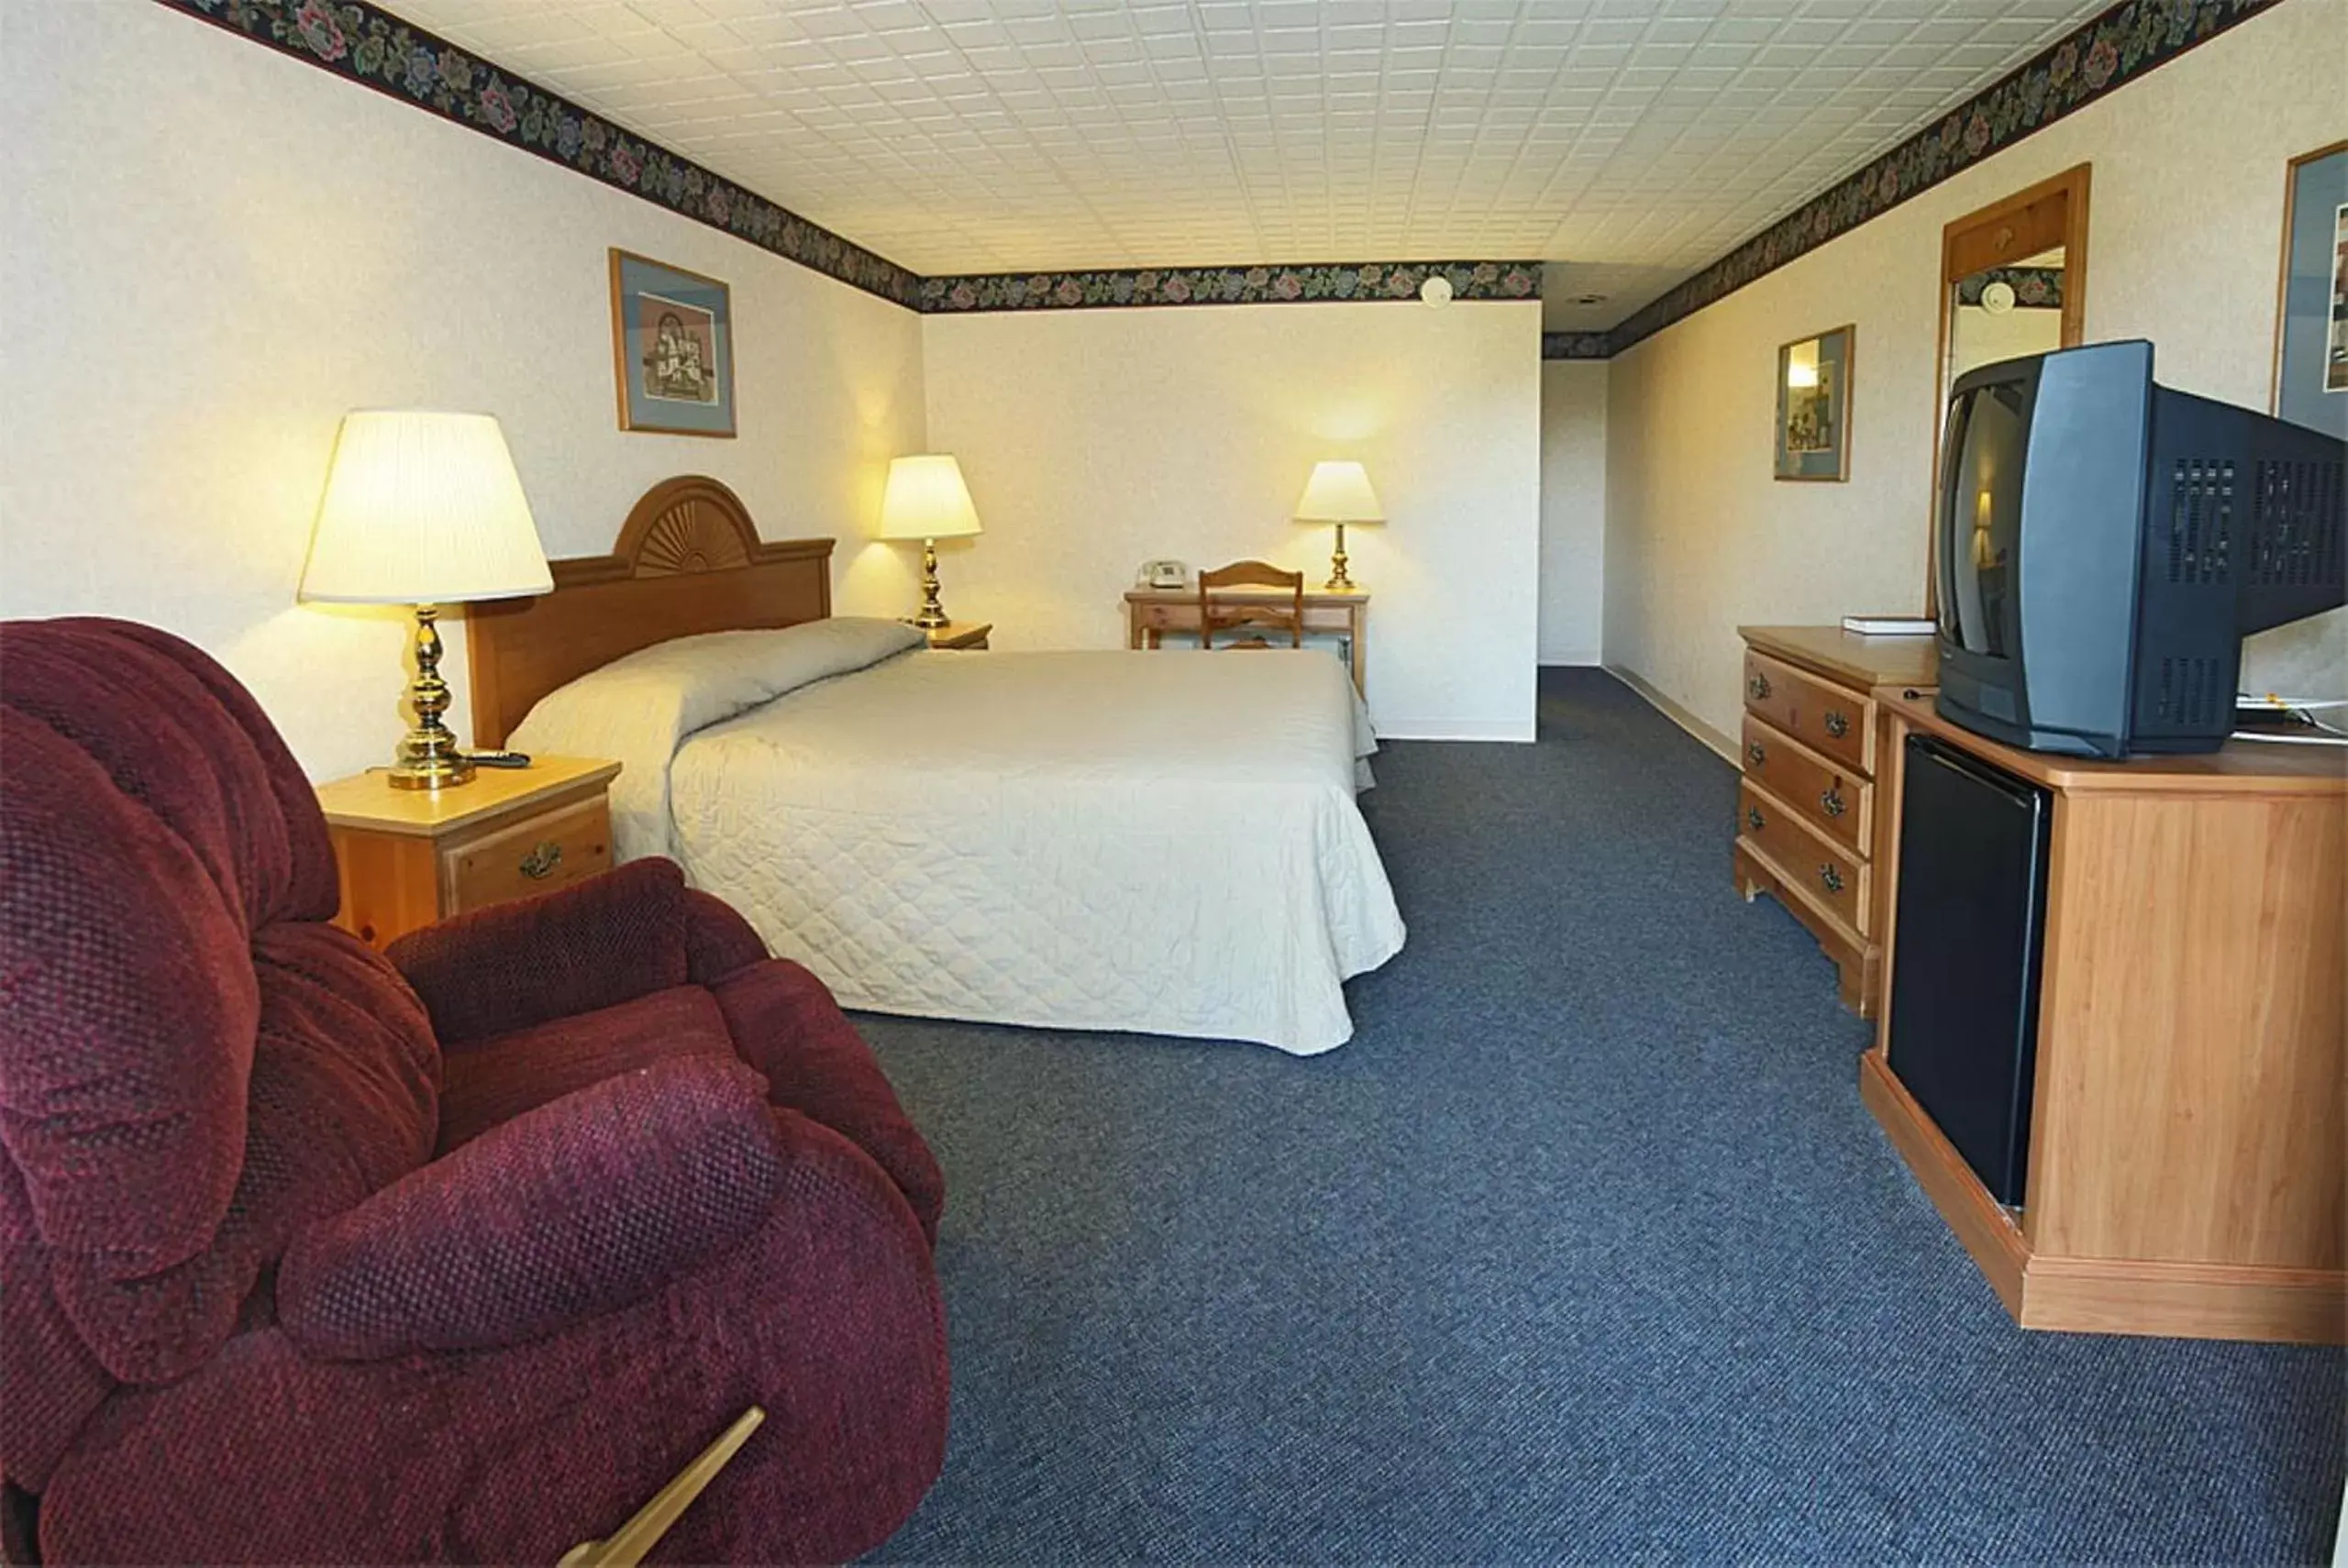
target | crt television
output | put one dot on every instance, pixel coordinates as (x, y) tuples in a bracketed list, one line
[(2102, 544)]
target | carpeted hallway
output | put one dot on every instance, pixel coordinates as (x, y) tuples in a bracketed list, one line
[(1583, 1249)]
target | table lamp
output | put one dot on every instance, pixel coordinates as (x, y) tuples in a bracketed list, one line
[(1339, 492), (424, 509), (926, 500)]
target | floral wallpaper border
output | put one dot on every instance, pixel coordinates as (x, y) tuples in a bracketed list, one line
[(366, 45), (1301, 284), (371, 47), (2098, 57), (2035, 288), (1576, 346)]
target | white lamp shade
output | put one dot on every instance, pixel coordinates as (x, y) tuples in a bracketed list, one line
[(926, 499), (1339, 492), (422, 508)]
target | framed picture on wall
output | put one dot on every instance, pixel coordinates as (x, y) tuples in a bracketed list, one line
[(672, 348), (1814, 406), (2312, 301)]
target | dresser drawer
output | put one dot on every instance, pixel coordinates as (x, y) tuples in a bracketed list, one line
[(1830, 719), (1827, 873), (1838, 801), (528, 857)]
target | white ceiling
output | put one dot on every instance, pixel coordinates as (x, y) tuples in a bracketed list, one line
[(1631, 140)]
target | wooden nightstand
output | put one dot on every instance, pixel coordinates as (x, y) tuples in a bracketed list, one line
[(960, 635), (412, 856)]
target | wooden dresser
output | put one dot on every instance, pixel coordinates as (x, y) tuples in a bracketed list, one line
[(1813, 825), (2188, 1140)]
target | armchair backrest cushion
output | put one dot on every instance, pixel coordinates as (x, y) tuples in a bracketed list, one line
[(191, 1061)]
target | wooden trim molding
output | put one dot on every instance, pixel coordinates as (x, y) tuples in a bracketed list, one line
[(2101, 1296), (2184, 1300), (2283, 262), (1983, 1228), (2039, 218), (688, 559), (689, 523)]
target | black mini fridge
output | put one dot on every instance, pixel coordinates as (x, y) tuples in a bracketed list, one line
[(1971, 920)]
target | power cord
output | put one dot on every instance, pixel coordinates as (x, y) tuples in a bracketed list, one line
[(2303, 709)]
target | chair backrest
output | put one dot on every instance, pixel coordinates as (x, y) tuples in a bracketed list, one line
[(192, 1062), (1256, 613)]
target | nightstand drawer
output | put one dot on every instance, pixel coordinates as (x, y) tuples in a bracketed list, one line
[(1838, 801), (1834, 719), (526, 859)]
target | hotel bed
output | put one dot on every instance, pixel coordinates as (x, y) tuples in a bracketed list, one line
[(1096, 840)]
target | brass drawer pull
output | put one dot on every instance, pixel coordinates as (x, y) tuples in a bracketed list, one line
[(1831, 802), (1758, 686), (1758, 753), (1752, 819), (541, 862), (1836, 725), (1830, 878)]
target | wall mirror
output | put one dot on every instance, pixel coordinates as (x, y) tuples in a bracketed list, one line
[(2014, 282)]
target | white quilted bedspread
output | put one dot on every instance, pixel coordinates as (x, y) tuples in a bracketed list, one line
[(1122, 841)]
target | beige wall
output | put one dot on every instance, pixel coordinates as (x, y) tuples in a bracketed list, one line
[(2185, 233), (224, 249), (1094, 440), (1573, 510)]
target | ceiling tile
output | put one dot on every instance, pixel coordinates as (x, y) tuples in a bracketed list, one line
[(1627, 140)]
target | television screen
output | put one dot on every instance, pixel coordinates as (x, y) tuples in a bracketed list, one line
[(1988, 431), (2101, 545)]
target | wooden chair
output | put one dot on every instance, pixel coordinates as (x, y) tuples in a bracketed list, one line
[(1253, 616)]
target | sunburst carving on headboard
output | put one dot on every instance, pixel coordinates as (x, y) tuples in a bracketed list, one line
[(688, 560), (680, 528), (690, 536)]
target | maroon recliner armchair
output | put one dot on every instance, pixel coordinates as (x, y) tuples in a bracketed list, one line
[(311, 1254)]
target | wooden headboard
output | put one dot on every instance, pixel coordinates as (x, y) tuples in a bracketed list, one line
[(688, 560)]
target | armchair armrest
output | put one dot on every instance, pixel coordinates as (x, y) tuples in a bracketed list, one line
[(581, 1205), (718, 942), (593, 944)]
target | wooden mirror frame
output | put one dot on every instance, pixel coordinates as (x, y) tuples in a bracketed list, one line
[(2039, 218)]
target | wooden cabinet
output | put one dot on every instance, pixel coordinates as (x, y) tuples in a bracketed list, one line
[(1813, 827), (408, 857), (2187, 1173)]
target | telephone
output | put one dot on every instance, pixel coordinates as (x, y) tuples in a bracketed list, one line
[(1163, 574)]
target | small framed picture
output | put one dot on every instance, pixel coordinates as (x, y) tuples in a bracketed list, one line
[(1814, 406), (672, 348), (2311, 306)]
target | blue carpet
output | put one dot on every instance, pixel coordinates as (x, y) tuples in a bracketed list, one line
[(1583, 1249)]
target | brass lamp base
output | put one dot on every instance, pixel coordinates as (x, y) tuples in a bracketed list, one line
[(427, 756), (933, 614), (1337, 577)]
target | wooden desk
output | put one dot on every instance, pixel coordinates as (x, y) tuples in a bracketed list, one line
[(1150, 613), (2187, 1133)]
